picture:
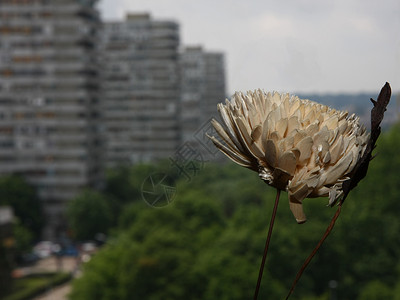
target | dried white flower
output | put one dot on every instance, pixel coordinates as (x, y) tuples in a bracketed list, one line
[(300, 146)]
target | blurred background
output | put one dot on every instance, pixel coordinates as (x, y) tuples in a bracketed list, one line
[(106, 173)]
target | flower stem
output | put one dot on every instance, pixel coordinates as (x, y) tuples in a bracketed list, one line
[(321, 241), (271, 225)]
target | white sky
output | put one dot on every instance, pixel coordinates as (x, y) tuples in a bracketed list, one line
[(288, 45)]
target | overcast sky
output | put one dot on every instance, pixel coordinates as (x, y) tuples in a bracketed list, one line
[(288, 45)]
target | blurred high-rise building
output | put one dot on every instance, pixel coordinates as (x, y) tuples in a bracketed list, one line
[(141, 88), (49, 95), (203, 87)]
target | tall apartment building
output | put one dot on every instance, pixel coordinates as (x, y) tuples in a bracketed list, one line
[(49, 118), (203, 87), (141, 88)]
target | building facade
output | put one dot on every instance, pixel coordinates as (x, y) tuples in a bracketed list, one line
[(77, 96), (141, 89), (203, 87), (49, 99)]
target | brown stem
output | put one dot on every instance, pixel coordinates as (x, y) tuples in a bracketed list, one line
[(271, 225), (309, 258)]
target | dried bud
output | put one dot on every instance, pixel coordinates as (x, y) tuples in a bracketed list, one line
[(300, 146)]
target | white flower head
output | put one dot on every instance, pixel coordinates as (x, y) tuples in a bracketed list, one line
[(300, 146)]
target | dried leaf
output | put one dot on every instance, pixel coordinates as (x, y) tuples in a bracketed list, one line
[(377, 114)]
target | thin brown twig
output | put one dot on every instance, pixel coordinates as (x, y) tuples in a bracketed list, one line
[(271, 225), (310, 257)]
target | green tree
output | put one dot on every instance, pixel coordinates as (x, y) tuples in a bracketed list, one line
[(89, 213), (375, 290), (22, 197), (153, 258), (124, 184), (23, 237)]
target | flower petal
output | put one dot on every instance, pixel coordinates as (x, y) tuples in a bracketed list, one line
[(305, 146), (287, 162), (270, 153)]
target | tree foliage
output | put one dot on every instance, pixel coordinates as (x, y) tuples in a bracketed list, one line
[(89, 214), (21, 196), (27, 208), (208, 243)]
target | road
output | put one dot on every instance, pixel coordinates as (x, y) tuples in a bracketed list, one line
[(51, 264), (59, 293)]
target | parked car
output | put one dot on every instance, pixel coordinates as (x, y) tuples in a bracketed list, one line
[(69, 250), (89, 247), (43, 249)]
